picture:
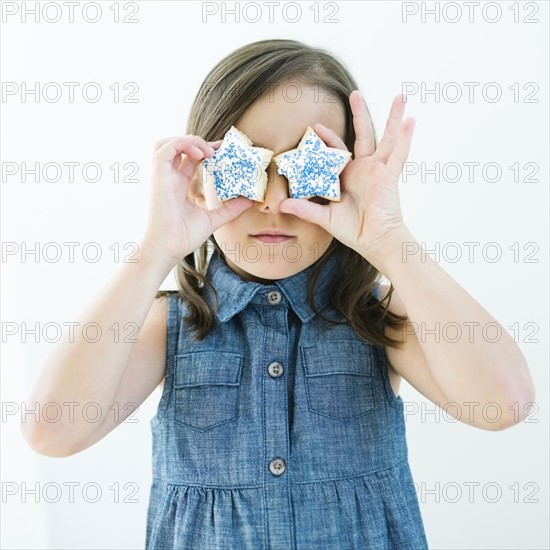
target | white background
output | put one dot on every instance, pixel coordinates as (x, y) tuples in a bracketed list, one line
[(168, 53)]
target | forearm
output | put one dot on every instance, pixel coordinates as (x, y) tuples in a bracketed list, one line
[(470, 355), (79, 370)]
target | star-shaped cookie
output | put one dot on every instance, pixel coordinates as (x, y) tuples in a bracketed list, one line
[(313, 168), (238, 168)]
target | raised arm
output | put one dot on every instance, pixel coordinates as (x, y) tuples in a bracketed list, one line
[(114, 372)]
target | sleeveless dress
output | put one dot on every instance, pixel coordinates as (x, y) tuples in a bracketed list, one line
[(279, 430)]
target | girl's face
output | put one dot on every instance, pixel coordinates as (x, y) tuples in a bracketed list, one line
[(276, 121)]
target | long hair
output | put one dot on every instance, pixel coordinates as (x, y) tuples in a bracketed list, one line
[(230, 88)]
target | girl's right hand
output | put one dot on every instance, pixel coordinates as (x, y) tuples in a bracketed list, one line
[(176, 225)]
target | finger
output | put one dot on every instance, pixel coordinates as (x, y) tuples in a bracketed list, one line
[(197, 154), (308, 211), (190, 145), (401, 150), (228, 211), (364, 136), (190, 160), (161, 142), (188, 167), (391, 130), (329, 136)]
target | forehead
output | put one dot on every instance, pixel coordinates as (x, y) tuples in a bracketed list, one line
[(279, 118)]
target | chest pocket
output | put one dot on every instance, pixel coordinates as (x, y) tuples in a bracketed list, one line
[(207, 388), (339, 379)]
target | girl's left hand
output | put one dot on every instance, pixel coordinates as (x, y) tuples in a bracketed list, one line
[(369, 212)]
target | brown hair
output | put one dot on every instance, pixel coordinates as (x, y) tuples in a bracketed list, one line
[(228, 91)]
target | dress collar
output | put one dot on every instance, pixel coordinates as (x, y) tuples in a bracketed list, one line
[(234, 293)]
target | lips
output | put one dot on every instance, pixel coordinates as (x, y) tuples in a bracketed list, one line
[(272, 233), (272, 237)]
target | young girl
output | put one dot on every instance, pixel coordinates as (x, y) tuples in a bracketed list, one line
[(280, 425)]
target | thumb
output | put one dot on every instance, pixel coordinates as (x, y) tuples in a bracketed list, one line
[(228, 211), (308, 211)]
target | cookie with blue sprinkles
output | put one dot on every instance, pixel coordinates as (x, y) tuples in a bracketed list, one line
[(313, 168), (238, 168)]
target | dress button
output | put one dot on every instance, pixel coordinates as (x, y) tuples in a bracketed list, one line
[(277, 467), (273, 297), (275, 369)]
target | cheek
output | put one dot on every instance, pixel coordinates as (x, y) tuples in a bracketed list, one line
[(320, 236), (230, 232), (317, 230)]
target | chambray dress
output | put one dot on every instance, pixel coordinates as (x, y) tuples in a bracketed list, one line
[(278, 431)]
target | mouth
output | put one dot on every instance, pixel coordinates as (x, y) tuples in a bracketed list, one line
[(272, 237)]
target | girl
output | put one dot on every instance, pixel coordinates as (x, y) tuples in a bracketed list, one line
[(280, 425)]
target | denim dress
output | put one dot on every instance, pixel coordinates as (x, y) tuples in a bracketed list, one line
[(279, 430)]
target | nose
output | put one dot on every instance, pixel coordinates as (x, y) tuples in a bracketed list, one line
[(276, 192)]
